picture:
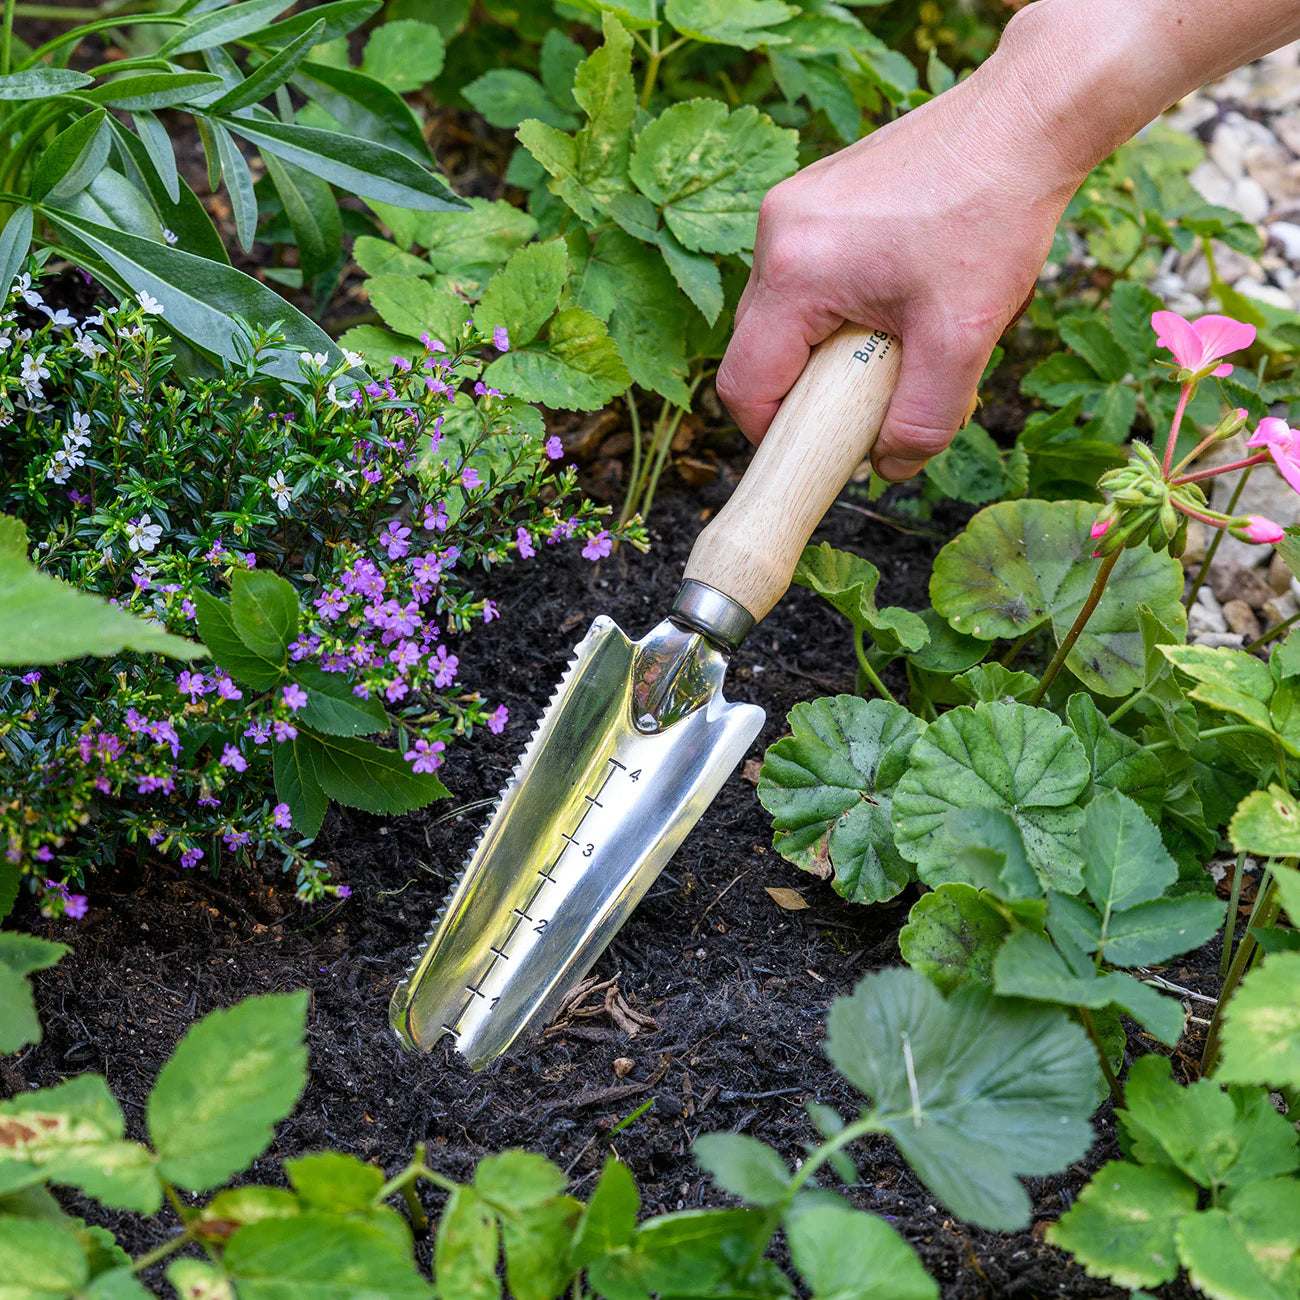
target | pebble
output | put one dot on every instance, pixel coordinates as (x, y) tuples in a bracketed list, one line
[(1279, 576), (1208, 597), (1287, 235), (1203, 621), (1235, 582), (1279, 609), (1269, 293), (1241, 618), (1232, 640)]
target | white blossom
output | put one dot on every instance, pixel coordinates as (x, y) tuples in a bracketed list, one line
[(314, 360), (88, 347), (141, 535), (78, 434), (29, 295), (279, 489), (148, 304), (354, 359), (61, 319)]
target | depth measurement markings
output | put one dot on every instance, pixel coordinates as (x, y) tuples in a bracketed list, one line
[(545, 878)]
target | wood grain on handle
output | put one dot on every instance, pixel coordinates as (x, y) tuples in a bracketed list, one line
[(825, 428)]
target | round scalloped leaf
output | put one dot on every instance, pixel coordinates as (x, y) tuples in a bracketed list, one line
[(1018, 759), (1250, 1250), (1020, 564), (952, 936), (828, 787)]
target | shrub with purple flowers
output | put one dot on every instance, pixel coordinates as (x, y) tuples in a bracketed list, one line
[(319, 539)]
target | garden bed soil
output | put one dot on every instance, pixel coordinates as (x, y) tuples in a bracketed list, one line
[(737, 987)]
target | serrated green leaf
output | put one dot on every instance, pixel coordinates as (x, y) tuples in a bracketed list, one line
[(404, 55), (19, 1023), (40, 1261), (971, 468), (1153, 932), (1248, 1251), (987, 683), (610, 1217), (991, 856), (1267, 822), (708, 169), (578, 368), (1261, 1033), (72, 1134), (507, 96), (361, 774), (196, 1280), (334, 1181), (465, 1250), (1021, 564), (332, 707), (297, 783), (829, 787), (848, 582), (217, 628), (952, 936), (1123, 1225), (379, 346), (1118, 762), (536, 1247), (743, 1166), (1011, 757), (233, 1077), (697, 276), (1124, 859), (1131, 305), (41, 83), (844, 1254), (744, 23), (518, 1181), (1090, 338), (524, 294), (974, 1090), (412, 307)]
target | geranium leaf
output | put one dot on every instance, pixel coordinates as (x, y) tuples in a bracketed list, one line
[(233, 1077), (465, 1250), (975, 1090), (405, 55), (952, 936), (828, 787), (1118, 762), (842, 1252), (708, 170), (1261, 1035), (1021, 564), (744, 23), (1123, 1224), (412, 306), (848, 582), (1015, 758), (1267, 822), (743, 1166), (1248, 1251)]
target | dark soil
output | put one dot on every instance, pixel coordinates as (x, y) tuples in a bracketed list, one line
[(738, 987)]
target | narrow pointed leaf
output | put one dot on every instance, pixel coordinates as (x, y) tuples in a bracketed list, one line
[(221, 27), (263, 81)]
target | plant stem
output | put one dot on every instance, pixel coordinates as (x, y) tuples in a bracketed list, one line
[(849, 1133), (634, 417), (1213, 731), (1183, 397), (1272, 634), (1203, 572), (867, 670), (6, 35), (1249, 463), (1067, 644), (1016, 647), (1230, 921), (1090, 1028), (1114, 717), (150, 1258)]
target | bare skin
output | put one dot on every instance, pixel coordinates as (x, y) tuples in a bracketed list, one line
[(936, 226)]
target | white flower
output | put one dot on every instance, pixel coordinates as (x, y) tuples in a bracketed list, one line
[(148, 304), (34, 369), (88, 347), (60, 467), (279, 489), (314, 360), (141, 535), (171, 236), (332, 393), (61, 319), (29, 295), (78, 434), (354, 359)]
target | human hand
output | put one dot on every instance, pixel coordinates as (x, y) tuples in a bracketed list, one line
[(934, 228)]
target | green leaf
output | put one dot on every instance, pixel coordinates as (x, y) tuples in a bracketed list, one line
[(1248, 1251), (829, 787), (1117, 761), (363, 775), (970, 469), (72, 1134), (363, 106), (1021, 564), (518, 1181), (524, 294), (313, 215), (974, 1090), (1124, 859), (537, 1246), (952, 936), (41, 83), (73, 159), (1261, 1034), (1267, 822), (15, 241), (697, 276), (1157, 931), (220, 28), (743, 1166), (197, 1280), (239, 184), (578, 368), (133, 91), (335, 1181), (234, 1076), (844, 1254), (217, 628), (413, 307), (708, 169), (203, 301), (1090, 338), (332, 707), (317, 1256), (465, 1251), (48, 622), (610, 1218), (1012, 757), (40, 1261), (1123, 1224), (362, 167), (848, 582), (506, 97), (20, 954), (270, 76), (404, 55), (115, 201), (1131, 305), (264, 611), (987, 683), (744, 23), (339, 16), (379, 257), (704, 1252)]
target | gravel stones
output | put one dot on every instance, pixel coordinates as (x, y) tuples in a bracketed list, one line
[(1234, 582)]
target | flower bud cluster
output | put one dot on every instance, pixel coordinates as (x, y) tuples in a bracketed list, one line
[(1143, 508)]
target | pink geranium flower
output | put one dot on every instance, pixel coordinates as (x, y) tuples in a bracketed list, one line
[(1283, 444), (1198, 344), (1261, 531)]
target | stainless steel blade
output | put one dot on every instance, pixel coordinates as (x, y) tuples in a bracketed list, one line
[(633, 747)]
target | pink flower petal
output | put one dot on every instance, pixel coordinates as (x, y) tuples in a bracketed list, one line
[(1221, 335), (1263, 532), (1221, 372), (1177, 334), (1271, 429), (1288, 466), (1099, 528)]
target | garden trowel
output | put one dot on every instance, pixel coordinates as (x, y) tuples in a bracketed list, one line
[(638, 738)]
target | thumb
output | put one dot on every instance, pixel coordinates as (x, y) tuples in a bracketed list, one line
[(767, 353), (935, 397)]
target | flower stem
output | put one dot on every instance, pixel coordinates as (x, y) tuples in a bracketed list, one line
[(1183, 397), (1272, 634), (6, 35), (1249, 463), (1203, 572), (1230, 921), (1090, 1028), (1067, 643), (864, 666)]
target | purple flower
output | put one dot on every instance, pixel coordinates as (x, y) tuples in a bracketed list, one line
[(192, 684), (331, 604), (285, 731), (554, 448), (74, 905), (78, 498), (30, 679), (294, 696), (402, 363), (395, 690), (490, 611), (231, 757), (44, 854), (394, 539), (108, 747), (226, 688), (497, 722), (343, 891), (209, 801), (425, 757), (436, 516), (371, 474), (282, 817), (236, 839), (446, 665), (258, 732), (470, 479), (482, 390), (165, 734), (191, 858), (434, 345), (187, 608), (501, 339), (598, 547), (524, 542)]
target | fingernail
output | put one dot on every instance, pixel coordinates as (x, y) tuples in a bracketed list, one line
[(897, 468)]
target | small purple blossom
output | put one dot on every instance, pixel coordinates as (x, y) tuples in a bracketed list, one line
[(192, 684), (598, 547), (231, 757), (436, 517), (434, 345), (371, 474), (74, 905), (331, 604), (188, 609), (227, 688), (426, 756), (490, 611), (282, 817), (426, 569), (258, 732), (446, 665), (497, 721), (501, 339), (30, 679), (191, 858), (524, 542), (294, 696), (395, 690), (285, 731), (44, 854), (470, 479), (554, 448), (343, 891), (393, 538)]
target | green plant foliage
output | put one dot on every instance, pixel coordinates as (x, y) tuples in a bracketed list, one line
[(974, 1090), (840, 1251), (47, 621), (829, 786), (1261, 1034), (848, 583), (1137, 1220), (1020, 565), (952, 936), (1011, 757), (1267, 822), (20, 954)]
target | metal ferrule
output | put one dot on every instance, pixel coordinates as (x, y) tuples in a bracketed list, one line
[(708, 611)]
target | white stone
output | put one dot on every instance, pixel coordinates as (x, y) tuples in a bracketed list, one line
[(1285, 277), (1232, 640), (1250, 199), (1207, 598), (1268, 293), (1287, 128), (1228, 151), (1167, 285), (1202, 621), (1189, 113), (1287, 235), (1210, 182)]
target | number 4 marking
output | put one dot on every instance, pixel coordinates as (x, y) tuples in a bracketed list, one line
[(634, 776)]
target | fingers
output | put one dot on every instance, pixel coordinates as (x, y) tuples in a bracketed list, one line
[(934, 398), (767, 353)]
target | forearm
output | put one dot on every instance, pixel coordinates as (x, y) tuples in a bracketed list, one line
[(1091, 73)]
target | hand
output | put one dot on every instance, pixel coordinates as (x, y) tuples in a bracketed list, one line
[(933, 228)]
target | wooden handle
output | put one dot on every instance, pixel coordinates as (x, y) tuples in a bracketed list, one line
[(825, 428)]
